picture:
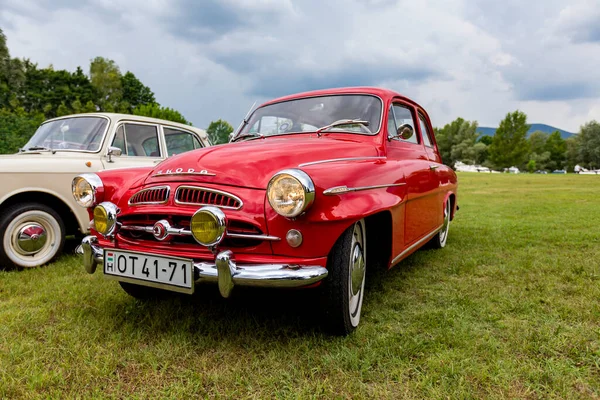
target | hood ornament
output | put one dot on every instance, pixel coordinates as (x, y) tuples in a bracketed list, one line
[(181, 171)]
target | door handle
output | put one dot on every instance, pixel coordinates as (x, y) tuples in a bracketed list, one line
[(433, 167)]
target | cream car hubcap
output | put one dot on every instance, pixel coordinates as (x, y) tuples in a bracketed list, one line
[(357, 269), (32, 238)]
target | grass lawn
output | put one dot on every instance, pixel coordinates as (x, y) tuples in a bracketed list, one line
[(509, 309)]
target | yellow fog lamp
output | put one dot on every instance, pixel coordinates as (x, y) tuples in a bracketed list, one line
[(105, 218), (208, 226)]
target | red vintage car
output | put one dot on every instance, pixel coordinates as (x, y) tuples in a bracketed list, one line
[(312, 189)]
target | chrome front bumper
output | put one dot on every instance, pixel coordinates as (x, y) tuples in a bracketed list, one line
[(225, 271)]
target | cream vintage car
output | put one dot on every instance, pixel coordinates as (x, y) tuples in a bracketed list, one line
[(37, 209)]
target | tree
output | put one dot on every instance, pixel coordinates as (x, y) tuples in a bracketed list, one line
[(572, 153), (11, 75), (135, 93), (106, 79), (156, 111), (17, 127), (456, 142), (218, 131), (509, 146), (538, 155), (556, 149), (589, 145)]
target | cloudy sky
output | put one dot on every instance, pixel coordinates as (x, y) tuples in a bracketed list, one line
[(211, 59)]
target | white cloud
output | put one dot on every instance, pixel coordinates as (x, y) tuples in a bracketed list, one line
[(210, 59)]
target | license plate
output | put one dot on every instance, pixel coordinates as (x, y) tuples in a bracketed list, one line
[(169, 273)]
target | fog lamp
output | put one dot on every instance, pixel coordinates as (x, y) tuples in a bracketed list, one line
[(105, 218), (208, 226)]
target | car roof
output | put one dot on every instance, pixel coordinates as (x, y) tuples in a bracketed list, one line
[(384, 94), (115, 117)]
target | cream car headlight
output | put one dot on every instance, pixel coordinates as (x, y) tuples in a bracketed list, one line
[(87, 190), (290, 192)]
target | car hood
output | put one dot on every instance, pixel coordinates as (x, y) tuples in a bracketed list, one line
[(49, 163), (252, 163)]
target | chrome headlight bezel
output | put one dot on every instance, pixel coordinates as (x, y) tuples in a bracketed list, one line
[(111, 211), (303, 180), (95, 185)]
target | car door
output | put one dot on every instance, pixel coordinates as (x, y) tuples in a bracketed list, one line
[(419, 214), (139, 143), (436, 167)]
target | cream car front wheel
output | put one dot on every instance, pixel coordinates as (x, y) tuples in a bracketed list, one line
[(31, 235)]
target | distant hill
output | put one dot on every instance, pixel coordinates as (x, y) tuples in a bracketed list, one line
[(532, 128)]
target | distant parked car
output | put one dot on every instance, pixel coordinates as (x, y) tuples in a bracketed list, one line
[(37, 209), (559, 171), (541, 171), (316, 188)]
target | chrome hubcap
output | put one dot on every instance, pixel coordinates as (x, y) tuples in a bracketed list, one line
[(31, 238), (444, 231), (358, 269)]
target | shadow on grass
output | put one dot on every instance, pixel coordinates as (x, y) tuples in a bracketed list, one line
[(249, 314)]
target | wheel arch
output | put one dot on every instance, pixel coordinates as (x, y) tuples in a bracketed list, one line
[(379, 238), (451, 196), (50, 199)]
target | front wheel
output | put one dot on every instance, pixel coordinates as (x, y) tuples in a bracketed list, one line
[(31, 235), (343, 290)]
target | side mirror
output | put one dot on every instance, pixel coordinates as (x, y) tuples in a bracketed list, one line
[(405, 131), (113, 151)]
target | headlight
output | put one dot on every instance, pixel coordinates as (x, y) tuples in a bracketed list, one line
[(208, 226), (105, 218), (87, 189), (290, 192)]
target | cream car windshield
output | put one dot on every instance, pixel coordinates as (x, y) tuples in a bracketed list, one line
[(74, 134), (312, 113)]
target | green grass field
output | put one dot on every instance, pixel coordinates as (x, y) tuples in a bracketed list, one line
[(509, 309)]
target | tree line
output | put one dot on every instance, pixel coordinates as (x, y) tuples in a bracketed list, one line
[(30, 94), (510, 146)]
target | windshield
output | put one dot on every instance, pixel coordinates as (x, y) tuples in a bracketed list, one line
[(310, 114), (81, 133)]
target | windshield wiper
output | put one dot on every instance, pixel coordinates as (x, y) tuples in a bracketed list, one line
[(247, 135), (37, 148), (343, 122)]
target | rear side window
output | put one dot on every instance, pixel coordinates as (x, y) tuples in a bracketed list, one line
[(427, 140), (180, 141)]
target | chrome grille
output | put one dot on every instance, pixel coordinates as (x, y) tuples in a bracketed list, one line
[(154, 195), (192, 195)]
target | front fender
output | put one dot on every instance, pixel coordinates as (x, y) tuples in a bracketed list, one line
[(330, 215)]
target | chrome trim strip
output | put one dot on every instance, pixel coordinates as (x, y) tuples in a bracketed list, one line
[(342, 159), (186, 232), (224, 271), (411, 247), (148, 190), (345, 189), (183, 174), (208, 204)]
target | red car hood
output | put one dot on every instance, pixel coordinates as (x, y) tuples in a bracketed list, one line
[(252, 163)]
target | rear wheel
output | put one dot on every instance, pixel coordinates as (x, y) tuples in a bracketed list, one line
[(31, 235), (439, 240), (343, 290)]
